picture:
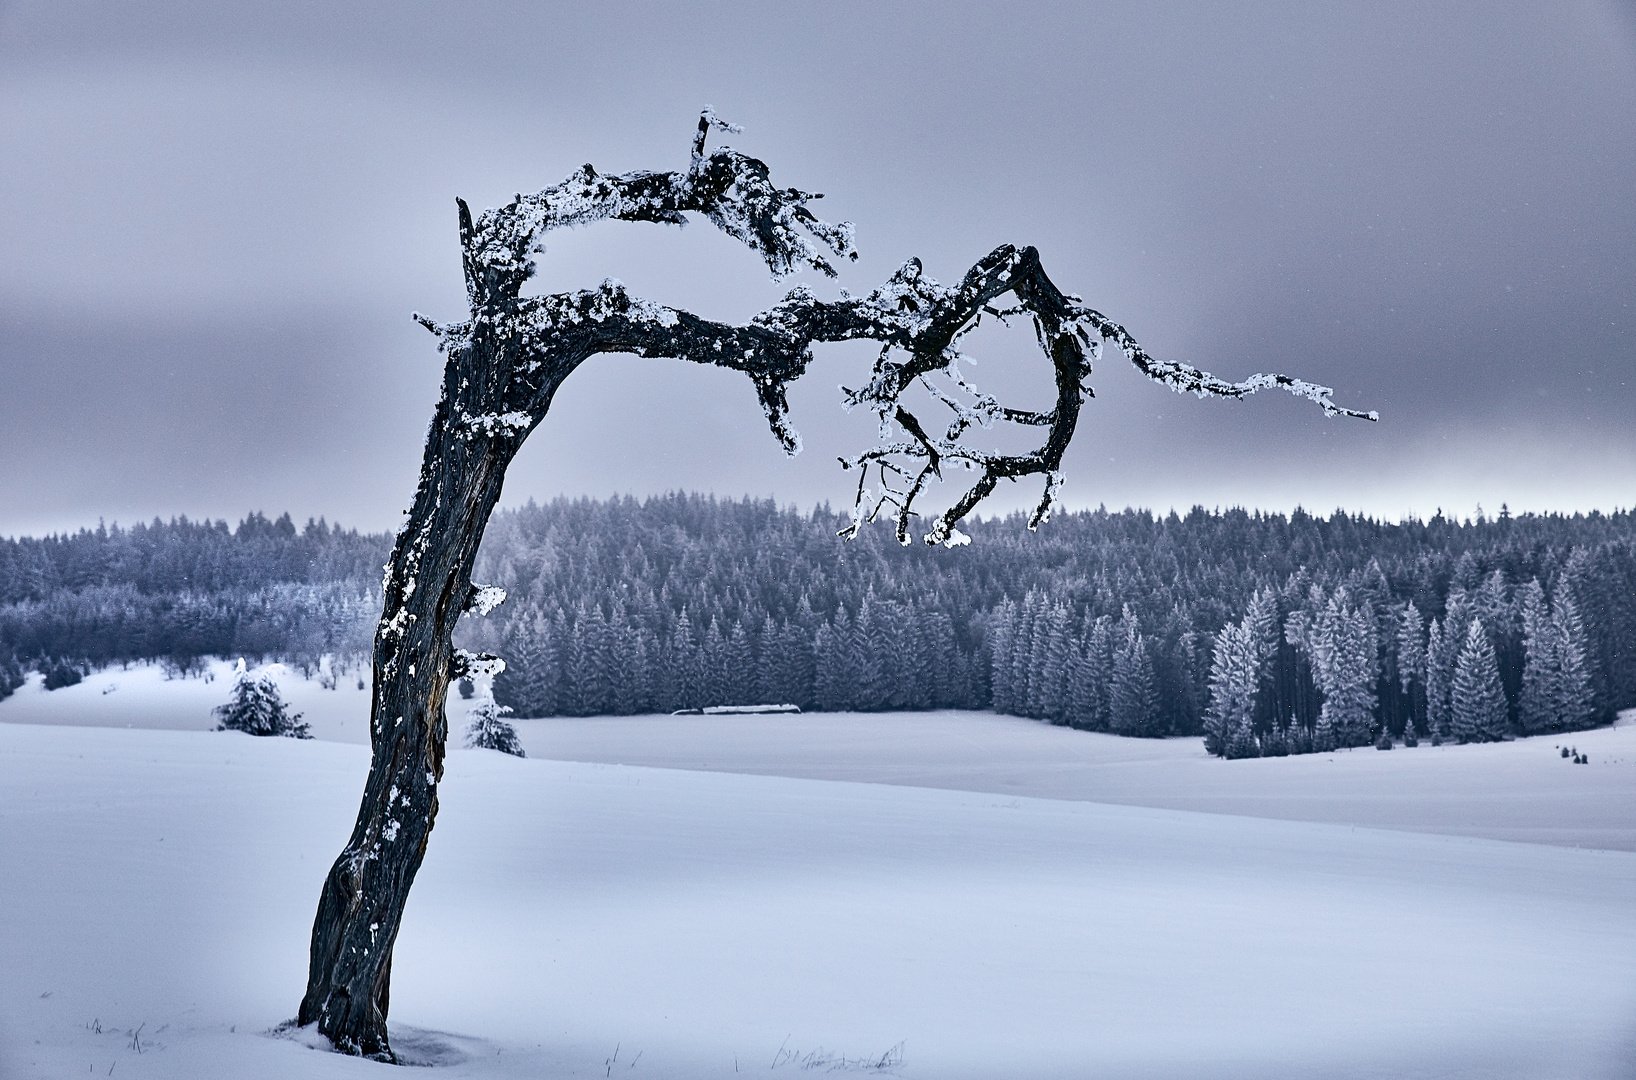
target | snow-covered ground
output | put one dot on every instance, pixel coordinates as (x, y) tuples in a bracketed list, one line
[(146, 696), (1521, 790), (159, 887)]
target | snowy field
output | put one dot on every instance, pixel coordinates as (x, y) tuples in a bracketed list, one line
[(1058, 909)]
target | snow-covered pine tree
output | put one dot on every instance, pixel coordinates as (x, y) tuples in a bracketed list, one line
[(576, 659), (1261, 621), (1603, 597), (1350, 693), (741, 688), (1274, 742), (1241, 740), (521, 685), (1542, 662), (948, 686), (488, 730), (638, 697), (1297, 738), (1339, 639), (917, 648), (1494, 604), (686, 665), (1575, 699), (1323, 734), (836, 681), (1233, 685), (1093, 673), (598, 676), (1131, 693), (1039, 639), (769, 668), (1467, 577), (862, 671), (1052, 680), (716, 674), (1411, 665), (625, 681), (1439, 675), (1002, 632), (870, 659), (1029, 617), (256, 708), (1476, 698)]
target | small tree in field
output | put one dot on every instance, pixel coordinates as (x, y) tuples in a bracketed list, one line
[(507, 358), (488, 729), (257, 709)]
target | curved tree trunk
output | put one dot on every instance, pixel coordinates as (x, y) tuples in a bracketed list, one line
[(428, 585)]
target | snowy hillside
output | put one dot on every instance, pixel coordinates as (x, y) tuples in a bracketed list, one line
[(161, 884)]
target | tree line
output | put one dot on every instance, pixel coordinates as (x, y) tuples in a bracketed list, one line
[(1122, 622), (1266, 633), (181, 591)]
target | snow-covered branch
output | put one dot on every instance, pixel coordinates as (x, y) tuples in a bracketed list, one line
[(732, 189), (525, 346)]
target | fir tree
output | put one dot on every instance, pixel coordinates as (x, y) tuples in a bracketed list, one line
[(257, 709), (1439, 674), (1233, 685), (1022, 652), (1323, 735), (1542, 663), (1349, 686), (1339, 639), (1002, 638), (717, 678), (489, 731), (1575, 699), (1297, 739), (1241, 740), (1275, 743), (770, 681), (1411, 665), (740, 675), (687, 665), (837, 663), (1133, 710), (638, 696), (871, 658), (1477, 700), (1092, 691), (1051, 682)]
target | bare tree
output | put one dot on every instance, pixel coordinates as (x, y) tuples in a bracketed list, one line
[(505, 362)]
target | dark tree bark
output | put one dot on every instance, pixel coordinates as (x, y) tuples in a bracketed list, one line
[(504, 365)]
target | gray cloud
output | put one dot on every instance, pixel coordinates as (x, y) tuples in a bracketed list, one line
[(220, 215)]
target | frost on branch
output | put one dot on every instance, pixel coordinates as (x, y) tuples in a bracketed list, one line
[(508, 358), (484, 599), (732, 189), (928, 322), (466, 664)]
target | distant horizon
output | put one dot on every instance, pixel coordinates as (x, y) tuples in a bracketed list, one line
[(1479, 514)]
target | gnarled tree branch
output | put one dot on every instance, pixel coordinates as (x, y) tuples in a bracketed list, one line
[(918, 322)]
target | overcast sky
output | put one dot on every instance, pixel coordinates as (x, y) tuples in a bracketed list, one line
[(218, 217)]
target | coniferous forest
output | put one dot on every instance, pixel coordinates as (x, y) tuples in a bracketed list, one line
[(1267, 634), (183, 591)]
